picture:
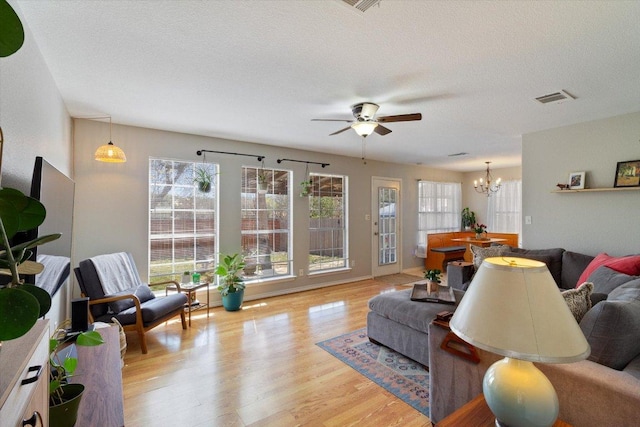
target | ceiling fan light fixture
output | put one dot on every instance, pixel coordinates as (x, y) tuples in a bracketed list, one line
[(364, 128)]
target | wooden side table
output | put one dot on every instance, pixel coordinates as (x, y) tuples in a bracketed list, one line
[(477, 414), (190, 289)]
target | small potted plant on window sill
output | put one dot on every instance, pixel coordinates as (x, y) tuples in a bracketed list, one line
[(434, 277), (203, 179), (64, 397), (231, 284)]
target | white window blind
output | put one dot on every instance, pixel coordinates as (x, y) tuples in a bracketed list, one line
[(504, 210), (438, 210)]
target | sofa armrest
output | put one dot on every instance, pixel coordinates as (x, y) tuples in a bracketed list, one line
[(590, 394)]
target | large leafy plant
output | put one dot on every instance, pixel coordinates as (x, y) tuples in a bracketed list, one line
[(230, 269), (64, 367), (21, 304)]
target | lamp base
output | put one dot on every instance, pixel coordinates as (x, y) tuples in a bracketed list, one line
[(519, 394)]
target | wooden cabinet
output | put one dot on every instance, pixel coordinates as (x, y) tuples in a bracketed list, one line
[(24, 378)]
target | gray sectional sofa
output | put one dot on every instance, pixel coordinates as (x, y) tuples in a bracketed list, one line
[(601, 391)]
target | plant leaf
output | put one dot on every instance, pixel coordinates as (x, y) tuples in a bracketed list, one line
[(18, 313), (12, 31), (89, 339), (70, 364), (43, 297)]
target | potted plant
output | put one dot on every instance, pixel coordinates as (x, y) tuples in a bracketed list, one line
[(21, 304), (186, 277), (434, 277), (231, 284), (468, 218), (64, 397), (263, 182), (305, 187), (480, 230), (203, 179)]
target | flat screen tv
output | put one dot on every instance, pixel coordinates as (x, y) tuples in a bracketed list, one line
[(55, 191)]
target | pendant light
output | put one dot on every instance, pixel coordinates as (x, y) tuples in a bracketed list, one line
[(110, 153)]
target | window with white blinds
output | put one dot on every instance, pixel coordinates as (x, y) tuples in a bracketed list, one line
[(438, 209), (504, 208), (182, 219)]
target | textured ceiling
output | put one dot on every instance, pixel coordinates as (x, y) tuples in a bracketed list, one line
[(259, 71)]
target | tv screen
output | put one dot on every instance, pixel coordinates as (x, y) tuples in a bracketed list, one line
[(55, 191)]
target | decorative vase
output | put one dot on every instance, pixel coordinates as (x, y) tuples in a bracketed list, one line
[(478, 236), (66, 413), (432, 286), (233, 300), (186, 278)]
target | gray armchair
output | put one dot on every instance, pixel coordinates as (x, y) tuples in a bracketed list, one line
[(115, 290)]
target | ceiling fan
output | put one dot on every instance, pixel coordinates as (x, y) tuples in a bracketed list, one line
[(365, 121)]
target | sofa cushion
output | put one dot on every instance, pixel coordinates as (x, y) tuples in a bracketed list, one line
[(153, 309), (480, 253), (552, 257), (627, 265), (573, 264), (579, 300), (612, 327), (143, 292), (605, 279)]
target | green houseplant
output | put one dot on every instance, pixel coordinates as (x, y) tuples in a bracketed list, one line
[(231, 285), (21, 304), (468, 218), (434, 277), (305, 187), (263, 182), (203, 179), (64, 397)]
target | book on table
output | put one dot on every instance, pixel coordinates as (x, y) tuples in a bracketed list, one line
[(443, 295)]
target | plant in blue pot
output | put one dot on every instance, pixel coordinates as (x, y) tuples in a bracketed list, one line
[(231, 285)]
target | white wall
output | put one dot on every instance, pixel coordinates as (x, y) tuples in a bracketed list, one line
[(111, 210), (583, 222), (34, 122)]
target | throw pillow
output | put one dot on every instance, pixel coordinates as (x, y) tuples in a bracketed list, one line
[(480, 253), (627, 265), (629, 291), (612, 329), (143, 292), (606, 279), (579, 300), (552, 257)]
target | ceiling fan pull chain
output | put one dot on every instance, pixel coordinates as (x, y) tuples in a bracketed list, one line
[(364, 147)]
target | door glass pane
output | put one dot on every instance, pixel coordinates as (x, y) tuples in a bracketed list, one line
[(387, 230)]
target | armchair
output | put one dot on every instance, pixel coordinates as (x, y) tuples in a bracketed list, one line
[(115, 290)]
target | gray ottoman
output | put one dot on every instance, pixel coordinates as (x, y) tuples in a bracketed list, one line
[(401, 324)]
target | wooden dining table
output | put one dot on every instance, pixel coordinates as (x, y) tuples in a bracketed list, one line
[(468, 241)]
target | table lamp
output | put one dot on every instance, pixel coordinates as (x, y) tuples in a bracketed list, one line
[(514, 308)]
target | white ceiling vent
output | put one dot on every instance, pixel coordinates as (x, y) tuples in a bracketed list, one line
[(555, 98), (361, 5)]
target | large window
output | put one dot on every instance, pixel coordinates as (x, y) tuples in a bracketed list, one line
[(438, 209), (182, 219), (327, 223), (266, 213), (504, 210)]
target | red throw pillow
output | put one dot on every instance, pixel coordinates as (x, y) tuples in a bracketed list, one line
[(628, 265)]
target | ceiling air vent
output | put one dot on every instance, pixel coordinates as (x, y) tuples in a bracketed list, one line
[(555, 98), (361, 5)]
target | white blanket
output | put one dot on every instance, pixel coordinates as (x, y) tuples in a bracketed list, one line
[(116, 272), (53, 268)]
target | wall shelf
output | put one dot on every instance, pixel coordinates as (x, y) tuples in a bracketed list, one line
[(592, 190)]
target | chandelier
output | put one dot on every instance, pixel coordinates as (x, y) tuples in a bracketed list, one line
[(485, 185)]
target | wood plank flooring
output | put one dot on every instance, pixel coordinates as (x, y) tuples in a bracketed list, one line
[(261, 367)]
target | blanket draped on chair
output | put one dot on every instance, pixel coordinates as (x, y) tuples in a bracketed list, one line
[(116, 272)]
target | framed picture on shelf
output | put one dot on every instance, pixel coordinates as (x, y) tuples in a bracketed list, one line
[(576, 180), (627, 174)]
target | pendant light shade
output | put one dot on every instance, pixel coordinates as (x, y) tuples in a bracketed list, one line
[(110, 153)]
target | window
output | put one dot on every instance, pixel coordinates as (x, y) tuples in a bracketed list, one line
[(266, 212), (504, 209), (327, 223), (182, 219), (438, 209)]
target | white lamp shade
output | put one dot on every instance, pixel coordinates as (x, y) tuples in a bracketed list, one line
[(514, 308), (364, 128)]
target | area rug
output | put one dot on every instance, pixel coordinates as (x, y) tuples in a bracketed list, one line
[(398, 279), (406, 379)]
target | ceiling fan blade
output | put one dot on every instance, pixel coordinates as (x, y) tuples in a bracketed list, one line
[(400, 118), (340, 131), (331, 120), (381, 130)]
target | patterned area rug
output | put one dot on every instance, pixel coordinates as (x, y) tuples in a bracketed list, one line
[(406, 379), (398, 279)]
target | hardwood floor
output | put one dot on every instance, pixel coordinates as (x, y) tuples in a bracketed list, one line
[(261, 367)]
